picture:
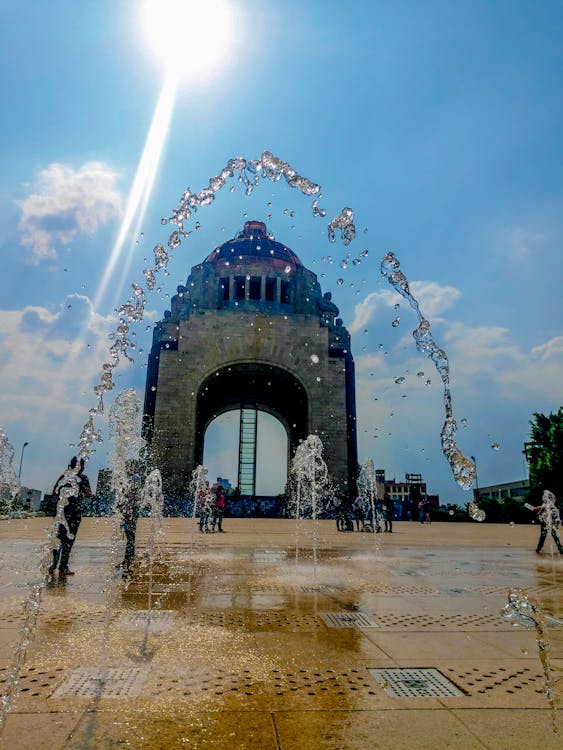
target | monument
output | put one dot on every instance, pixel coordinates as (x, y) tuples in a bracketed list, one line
[(252, 331)]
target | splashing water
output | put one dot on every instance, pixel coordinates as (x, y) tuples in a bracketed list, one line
[(367, 487), (9, 482), (310, 482), (524, 612), (9, 489), (200, 498), (549, 514), (464, 470), (475, 512), (152, 497)]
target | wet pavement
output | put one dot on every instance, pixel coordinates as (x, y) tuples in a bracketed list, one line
[(239, 640)]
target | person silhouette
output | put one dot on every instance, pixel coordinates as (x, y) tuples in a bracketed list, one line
[(79, 486), (550, 520)]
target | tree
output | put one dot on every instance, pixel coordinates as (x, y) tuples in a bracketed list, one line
[(544, 453)]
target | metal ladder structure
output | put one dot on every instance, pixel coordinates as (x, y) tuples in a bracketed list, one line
[(247, 449)]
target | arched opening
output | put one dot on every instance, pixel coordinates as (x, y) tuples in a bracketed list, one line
[(221, 451), (250, 389)]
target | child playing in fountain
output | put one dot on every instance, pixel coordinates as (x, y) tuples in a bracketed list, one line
[(549, 518)]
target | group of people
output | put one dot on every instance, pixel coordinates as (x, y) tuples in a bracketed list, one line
[(424, 511), (73, 487), (210, 507), (368, 518)]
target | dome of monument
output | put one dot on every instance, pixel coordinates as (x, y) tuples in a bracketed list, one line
[(253, 242)]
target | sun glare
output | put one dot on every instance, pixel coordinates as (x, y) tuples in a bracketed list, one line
[(190, 37)]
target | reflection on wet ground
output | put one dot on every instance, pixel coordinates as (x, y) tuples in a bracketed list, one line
[(243, 647)]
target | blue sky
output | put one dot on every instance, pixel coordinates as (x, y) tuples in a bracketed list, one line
[(439, 123)]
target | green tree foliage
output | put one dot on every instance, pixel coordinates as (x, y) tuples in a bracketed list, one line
[(545, 454)]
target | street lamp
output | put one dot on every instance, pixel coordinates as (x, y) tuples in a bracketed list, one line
[(21, 461), (476, 491)]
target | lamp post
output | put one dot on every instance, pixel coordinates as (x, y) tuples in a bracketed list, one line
[(476, 491), (21, 461)]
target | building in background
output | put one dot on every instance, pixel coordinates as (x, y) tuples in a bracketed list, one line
[(250, 331)]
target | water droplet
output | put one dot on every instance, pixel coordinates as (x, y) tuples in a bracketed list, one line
[(287, 269), (339, 282), (476, 513), (153, 388), (400, 380), (420, 374), (315, 358), (428, 383), (395, 322), (463, 422), (396, 306), (495, 446)]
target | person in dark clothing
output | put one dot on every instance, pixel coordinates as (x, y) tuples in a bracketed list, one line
[(218, 508), (388, 512), (129, 509), (77, 483), (550, 520)]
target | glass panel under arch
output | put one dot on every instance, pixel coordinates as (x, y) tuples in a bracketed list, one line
[(221, 451)]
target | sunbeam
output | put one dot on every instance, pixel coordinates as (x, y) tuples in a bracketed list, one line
[(142, 184)]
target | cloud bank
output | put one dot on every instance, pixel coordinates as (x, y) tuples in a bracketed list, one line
[(66, 203)]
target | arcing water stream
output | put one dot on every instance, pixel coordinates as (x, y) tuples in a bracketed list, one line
[(131, 312)]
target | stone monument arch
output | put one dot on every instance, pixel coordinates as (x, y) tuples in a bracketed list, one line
[(250, 330)]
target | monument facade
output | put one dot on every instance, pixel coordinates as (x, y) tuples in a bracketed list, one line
[(250, 330)]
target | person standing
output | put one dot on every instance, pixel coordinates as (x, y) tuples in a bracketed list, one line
[(130, 509), (204, 502), (421, 511), (219, 508), (79, 485), (550, 520), (388, 512), (359, 513)]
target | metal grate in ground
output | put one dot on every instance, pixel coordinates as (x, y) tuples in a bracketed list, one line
[(511, 681), (321, 588), (95, 682), (415, 683), (464, 621), (347, 620)]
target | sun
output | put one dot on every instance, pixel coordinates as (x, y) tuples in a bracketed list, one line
[(191, 38)]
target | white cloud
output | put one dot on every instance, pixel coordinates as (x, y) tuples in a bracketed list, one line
[(51, 360), (364, 310), (551, 348), (433, 299), (65, 203)]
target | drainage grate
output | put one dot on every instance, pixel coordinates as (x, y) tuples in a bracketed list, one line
[(415, 683), (94, 682), (322, 588), (469, 621), (347, 620)]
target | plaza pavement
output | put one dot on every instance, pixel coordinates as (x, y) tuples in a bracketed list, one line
[(250, 644)]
